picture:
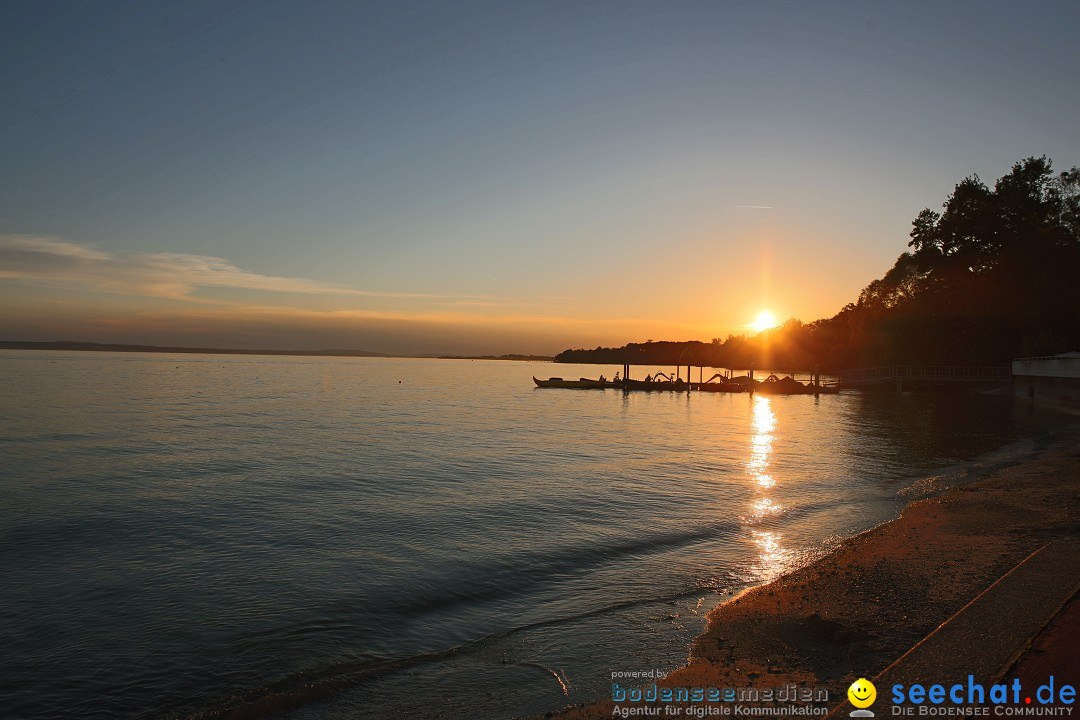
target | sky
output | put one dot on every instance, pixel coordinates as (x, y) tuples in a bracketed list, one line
[(493, 177)]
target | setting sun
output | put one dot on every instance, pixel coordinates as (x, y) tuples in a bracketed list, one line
[(764, 321)]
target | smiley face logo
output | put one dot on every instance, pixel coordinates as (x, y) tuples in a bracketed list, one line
[(862, 693)]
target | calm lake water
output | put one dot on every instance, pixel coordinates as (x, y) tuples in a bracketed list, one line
[(183, 534)]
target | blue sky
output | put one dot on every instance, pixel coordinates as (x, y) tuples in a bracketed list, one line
[(494, 177)]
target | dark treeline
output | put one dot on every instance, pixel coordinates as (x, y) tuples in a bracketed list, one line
[(993, 276)]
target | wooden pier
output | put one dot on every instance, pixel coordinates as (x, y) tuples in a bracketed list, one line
[(886, 377), (717, 382)]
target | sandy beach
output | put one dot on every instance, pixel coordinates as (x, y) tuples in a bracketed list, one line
[(857, 610)]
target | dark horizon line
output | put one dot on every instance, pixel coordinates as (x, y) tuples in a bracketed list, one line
[(80, 346)]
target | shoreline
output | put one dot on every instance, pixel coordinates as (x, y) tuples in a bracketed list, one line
[(858, 608), (72, 346)]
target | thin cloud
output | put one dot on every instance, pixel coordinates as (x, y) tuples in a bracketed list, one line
[(28, 252), (166, 275), (754, 207)]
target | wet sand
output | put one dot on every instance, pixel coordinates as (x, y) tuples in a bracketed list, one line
[(856, 610)]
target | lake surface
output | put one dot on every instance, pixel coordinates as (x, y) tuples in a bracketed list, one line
[(180, 535)]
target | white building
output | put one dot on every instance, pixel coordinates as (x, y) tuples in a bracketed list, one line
[(1053, 380)]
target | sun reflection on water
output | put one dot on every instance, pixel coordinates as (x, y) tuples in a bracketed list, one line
[(763, 508), (761, 442), (773, 559)]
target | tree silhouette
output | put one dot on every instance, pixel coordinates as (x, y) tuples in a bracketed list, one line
[(992, 276)]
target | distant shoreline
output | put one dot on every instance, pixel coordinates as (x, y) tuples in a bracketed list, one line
[(68, 345), (518, 358)]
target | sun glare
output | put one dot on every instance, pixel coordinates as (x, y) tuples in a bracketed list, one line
[(764, 321)]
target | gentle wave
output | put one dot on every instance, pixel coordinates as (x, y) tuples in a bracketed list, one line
[(229, 537)]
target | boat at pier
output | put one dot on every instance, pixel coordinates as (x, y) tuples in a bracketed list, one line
[(579, 384), (788, 385), (724, 387), (653, 385)]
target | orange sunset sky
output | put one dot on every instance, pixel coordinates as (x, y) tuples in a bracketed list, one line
[(492, 178)]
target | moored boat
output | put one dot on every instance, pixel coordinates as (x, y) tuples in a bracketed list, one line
[(579, 384), (654, 385), (774, 385), (725, 387)]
